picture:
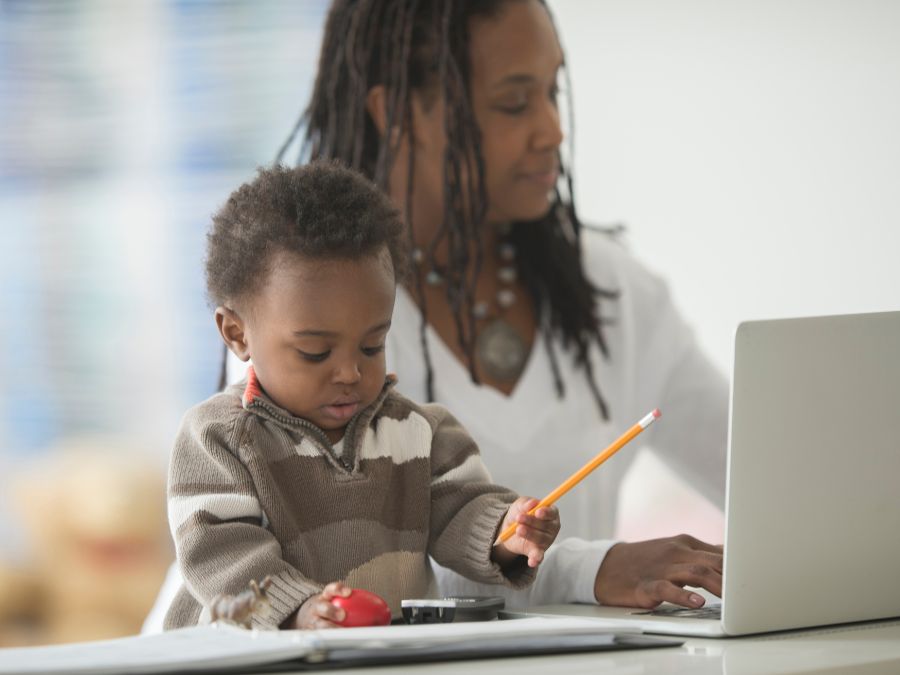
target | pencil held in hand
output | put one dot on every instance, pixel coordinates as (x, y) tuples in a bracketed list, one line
[(579, 475)]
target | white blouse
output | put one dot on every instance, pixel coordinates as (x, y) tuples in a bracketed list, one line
[(532, 440)]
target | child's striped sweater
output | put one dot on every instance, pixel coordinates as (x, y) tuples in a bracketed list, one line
[(255, 491)]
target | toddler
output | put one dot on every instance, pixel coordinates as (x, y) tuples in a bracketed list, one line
[(315, 471)]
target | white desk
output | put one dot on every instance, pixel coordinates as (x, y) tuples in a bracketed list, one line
[(860, 649)]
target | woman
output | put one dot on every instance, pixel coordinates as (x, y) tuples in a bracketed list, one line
[(545, 339)]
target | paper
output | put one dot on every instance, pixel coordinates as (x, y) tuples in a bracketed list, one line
[(437, 633), (190, 649), (214, 647)]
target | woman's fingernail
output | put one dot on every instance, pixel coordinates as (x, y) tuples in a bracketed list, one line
[(696, 600)]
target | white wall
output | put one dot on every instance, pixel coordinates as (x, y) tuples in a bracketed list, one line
[(752, 148)]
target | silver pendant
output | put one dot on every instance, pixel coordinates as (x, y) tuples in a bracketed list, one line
[(501, 351)]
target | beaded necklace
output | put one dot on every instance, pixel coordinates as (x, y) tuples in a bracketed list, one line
[(500, 349)]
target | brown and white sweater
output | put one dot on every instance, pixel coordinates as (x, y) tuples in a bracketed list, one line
[(255, 491)]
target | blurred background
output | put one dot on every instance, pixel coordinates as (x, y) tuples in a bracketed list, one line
[(750, 148), (123, 126)]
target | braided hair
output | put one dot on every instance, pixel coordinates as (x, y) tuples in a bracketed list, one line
[(423, 46)]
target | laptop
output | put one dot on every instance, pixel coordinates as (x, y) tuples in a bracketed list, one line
[(812, 515)]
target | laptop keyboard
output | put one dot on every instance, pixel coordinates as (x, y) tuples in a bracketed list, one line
[(711, 612)]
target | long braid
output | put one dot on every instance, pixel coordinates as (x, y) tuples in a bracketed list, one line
[(411, 45), (420, 288), (460, 290)]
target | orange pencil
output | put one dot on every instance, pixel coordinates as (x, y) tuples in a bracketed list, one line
[(579, 475)]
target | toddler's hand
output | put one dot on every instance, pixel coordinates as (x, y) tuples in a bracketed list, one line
[(534, 533), (318, 612)]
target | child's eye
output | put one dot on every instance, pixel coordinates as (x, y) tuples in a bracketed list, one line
[(372, 351), (315, 358)]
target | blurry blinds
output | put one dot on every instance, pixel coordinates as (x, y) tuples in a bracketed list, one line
[(123, 125)]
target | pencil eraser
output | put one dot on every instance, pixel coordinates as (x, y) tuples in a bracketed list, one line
[(656, 413)]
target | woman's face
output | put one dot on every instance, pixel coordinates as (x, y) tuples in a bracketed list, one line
[(515, 59)]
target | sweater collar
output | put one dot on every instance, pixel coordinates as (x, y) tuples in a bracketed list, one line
[(255, 400)]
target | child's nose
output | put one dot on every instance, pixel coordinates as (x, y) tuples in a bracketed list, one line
[(347, 372)]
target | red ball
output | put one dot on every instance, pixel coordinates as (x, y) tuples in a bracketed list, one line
[(363, 609)]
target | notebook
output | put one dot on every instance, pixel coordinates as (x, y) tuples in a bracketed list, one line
[(812, 517), (220, 648)]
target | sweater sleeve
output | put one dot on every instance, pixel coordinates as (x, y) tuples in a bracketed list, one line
[(466, 508), (217, 522)]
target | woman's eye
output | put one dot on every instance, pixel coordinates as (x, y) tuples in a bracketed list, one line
[(372, 351), (513, 108), (315, 358), (513, 103)]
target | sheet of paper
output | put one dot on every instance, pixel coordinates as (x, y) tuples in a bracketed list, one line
[(209, 648), (452, 632), (196, 648)]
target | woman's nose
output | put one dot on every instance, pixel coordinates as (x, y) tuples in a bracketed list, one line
[(548, 130)]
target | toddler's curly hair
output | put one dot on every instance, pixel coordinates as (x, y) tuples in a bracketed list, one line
[(320, 211)]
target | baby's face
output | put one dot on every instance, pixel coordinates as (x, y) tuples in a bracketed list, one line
[(316, 333)]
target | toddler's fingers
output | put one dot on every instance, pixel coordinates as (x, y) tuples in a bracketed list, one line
[(320, 623), (550, 527), (535, 557), (545, 514), (323, 609), (335, 589), (541, 539), (535, 539), (548, 513), (525, 504)]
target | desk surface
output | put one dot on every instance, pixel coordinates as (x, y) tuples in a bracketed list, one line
[(859, 649)]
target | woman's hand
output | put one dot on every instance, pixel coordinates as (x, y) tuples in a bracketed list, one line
[(646, 573), (318, 612), (534, 533)]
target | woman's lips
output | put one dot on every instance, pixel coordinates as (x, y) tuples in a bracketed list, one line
[(341, 411), (543, 179)]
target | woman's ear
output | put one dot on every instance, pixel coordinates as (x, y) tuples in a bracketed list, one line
[(232, 329), (376, 104)]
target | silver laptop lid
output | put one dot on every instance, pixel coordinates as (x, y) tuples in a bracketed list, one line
[(813, 500)]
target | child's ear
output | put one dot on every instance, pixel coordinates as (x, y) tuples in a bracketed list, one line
[(231, 328)]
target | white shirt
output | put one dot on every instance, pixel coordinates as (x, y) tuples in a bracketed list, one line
[(532, 440)]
